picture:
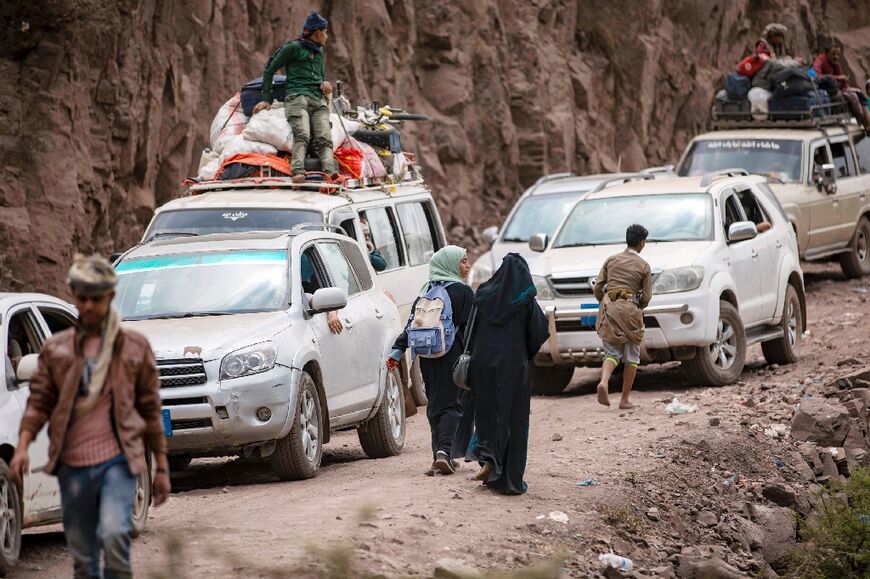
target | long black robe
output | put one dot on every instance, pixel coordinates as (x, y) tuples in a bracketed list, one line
[(509, 330), (444, 408)]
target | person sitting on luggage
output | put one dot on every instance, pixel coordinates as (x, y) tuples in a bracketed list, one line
[(828, 64), (306, 103), (772, 41)]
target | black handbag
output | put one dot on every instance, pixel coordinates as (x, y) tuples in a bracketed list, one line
[(460, 368)]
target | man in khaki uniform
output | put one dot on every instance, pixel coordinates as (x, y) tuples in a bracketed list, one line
[(623, 288)]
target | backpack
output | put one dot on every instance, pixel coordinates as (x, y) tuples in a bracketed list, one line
[(737, 86), (430, 328)]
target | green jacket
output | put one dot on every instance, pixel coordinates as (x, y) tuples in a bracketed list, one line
[(304, 72)]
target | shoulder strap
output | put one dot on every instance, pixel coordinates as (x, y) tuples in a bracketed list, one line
[(469, 329)]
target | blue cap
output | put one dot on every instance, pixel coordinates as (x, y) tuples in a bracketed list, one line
[(315, 22), (812, 72)]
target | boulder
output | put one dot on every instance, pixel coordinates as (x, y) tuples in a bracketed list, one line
[(778, 534), (454, 569), (822, 422), (706, 568), (780, 494)]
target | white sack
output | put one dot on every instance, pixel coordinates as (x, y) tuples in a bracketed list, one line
[(758, 98), (338, 131), (270, 126), (239, 144), (209, 163), (229, 122)]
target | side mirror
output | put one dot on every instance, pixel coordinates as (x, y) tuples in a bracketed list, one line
[(27, 368), (327, 299), (114, 257), (538, 242), (490, 234), (829, 178), (741, 231)]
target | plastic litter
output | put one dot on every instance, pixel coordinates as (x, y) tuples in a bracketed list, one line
[(864, 518), (778, 462), (777, 431), (615, 561), (559, 517), (589, 482), (730, 480), (677, 407)]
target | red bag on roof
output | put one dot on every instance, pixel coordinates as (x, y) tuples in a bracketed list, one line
[(275, 162), (350, 159), (752, 64)]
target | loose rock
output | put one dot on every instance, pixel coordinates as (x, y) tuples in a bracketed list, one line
[(824, 423)]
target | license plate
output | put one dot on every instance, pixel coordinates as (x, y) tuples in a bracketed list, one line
[(167, 423), (588, 321)]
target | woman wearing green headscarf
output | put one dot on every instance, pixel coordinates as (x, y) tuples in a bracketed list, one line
[(448, 267)]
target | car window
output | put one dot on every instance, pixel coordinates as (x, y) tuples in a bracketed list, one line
[(22, 337), (358, 262), (385, 239), (733, 213), (340, 272), (540, 214), (751, 208), (862, 149), (843, 161), (312, 272), (771, 197), (419, 232), (779, 158), (56, 320), (820, 157)]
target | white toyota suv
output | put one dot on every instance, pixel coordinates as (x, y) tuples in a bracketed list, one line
[(725, 269), (247, 361)]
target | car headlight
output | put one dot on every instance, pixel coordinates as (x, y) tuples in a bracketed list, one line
[(479, 273), (545, 292), (681, 279), (251, 360)]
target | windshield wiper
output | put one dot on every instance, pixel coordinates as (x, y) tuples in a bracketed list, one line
[(173, 233), (179, 315), (583, 244)]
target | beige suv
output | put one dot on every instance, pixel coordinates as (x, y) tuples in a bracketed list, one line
[(820, 174)]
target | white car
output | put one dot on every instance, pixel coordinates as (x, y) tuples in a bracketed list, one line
[(26, 322), (540, 209), (722, 279), (238, 324)]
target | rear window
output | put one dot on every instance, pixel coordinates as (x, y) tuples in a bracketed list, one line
[(205, 221), (776, 158)]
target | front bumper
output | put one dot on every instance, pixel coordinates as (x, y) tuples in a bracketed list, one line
[(221, 417), (669, 335)]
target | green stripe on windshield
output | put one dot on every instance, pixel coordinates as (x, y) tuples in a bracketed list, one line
[(201, 259)]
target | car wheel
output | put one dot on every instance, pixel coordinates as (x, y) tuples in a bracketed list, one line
[(418, 388), (179, 462), (856, 263), (297, 455), (721, 362), (142, 500), (384, 434), (786, 350), (10, 521), (551, 380)]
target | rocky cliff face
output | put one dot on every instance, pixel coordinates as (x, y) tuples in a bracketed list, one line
[(105, 107)]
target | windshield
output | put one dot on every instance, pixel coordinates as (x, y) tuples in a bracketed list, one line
[(671, 217), (205, 221), (539, 214), (776, 158), (202, 284)]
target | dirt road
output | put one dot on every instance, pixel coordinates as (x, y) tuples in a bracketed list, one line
[(656, 477)]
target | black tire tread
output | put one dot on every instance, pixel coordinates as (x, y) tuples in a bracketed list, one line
[(138, 526), (6, 564), (701, 370), (849, 261), (374, 435), (779, 351), (289, 461)]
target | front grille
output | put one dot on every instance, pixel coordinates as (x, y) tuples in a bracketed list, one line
[(188, 424), (181, 372), (573, 286), (185, 401)]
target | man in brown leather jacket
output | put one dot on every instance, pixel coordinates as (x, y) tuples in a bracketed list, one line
[(96, 385), (628, 282)]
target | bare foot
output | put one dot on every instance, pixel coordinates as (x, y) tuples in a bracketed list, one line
[(603, 398), (626, 405)]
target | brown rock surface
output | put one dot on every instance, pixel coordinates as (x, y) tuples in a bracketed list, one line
[(105, 107)]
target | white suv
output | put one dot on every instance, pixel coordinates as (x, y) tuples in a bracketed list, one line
[(246, 358), (725, 269)]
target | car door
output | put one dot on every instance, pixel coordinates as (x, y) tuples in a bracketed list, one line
[(861, 144), (769, 245), (743, 259), (850, 188), (420, 234), (824, 208), (386, 238)]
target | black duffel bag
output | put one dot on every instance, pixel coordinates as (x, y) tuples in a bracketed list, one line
[(791, 81)]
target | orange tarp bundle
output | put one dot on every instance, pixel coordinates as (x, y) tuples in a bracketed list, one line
[(258, 160)]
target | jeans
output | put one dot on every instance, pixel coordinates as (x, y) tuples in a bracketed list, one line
[(309, 119), (97, 514)]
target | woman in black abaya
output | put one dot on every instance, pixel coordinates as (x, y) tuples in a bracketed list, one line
[(510, 329)]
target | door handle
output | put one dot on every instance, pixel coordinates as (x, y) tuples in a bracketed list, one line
[(779, 242), (379, 313), (754, 253), (347, 323)]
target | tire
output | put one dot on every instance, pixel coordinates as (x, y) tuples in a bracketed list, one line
[(786, 350), (856, 262), (10, 521), (384, 434), (142, 501), (551, 380), (721, 362), (179, 462), (418, 389), (297, 455)]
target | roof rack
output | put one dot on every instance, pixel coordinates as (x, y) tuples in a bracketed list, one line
[(708, 178), (817, 116), (285, 183), (312, 225), (553, 177), (622, 179), (657, 170)]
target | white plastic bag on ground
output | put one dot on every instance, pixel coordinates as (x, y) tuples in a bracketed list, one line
[(229, 122), (677, 407), (758, 98), (271, 127), (209, 163), (239, 144)]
